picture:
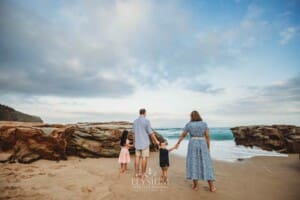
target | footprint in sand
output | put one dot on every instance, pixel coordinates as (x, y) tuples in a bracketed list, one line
[(87, 189), (57, 166), (27, 176), (70, 187), (51, 175), (10, 174), (16, 169), (31, 167), (12, 187), (29, 170), (10, 191)]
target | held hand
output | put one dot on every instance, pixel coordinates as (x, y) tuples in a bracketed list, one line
[(176, 146)]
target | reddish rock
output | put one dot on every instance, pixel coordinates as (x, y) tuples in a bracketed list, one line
[(27, 142)]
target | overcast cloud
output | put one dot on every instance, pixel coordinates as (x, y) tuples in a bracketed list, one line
[(116, 51)]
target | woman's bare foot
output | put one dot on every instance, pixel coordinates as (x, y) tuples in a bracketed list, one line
[(195, 187), (213, 189)]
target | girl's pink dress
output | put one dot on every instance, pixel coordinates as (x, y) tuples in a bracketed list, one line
[(124, 156)]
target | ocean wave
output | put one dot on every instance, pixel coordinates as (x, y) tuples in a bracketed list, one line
[(216, 134)]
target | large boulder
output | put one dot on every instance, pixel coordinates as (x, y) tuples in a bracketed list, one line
[(281, 138), (27, 142)]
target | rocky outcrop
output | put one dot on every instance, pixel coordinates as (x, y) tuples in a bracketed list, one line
[(10, 114), (27, 142), (281, 138)]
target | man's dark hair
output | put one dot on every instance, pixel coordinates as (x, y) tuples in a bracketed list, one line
[(142, 111)]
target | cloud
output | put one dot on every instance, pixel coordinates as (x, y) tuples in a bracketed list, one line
[(40, 58), (281, 98), (201, 87), (286, 91), (106, 48), (109, 48), (287, 35)]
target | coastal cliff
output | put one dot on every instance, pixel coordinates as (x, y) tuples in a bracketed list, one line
[(26, 142), (281, 138), (10, 114)]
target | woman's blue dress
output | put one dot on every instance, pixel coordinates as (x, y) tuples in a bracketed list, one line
[(198, 160)]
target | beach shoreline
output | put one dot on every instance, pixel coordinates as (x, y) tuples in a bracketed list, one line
[(98, 178)]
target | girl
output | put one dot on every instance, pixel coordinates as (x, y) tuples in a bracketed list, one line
[(164, 160), (124, 156)]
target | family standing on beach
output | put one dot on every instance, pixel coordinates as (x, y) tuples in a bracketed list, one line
[(198, 161)]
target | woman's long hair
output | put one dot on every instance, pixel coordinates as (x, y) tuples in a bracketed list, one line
[(124, 138), (195, 116)]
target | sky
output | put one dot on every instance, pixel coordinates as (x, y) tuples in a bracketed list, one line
[(234, 61)]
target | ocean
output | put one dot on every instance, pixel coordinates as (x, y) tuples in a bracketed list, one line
[(223, 146)]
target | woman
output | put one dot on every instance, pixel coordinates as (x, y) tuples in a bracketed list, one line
[(198, 160)]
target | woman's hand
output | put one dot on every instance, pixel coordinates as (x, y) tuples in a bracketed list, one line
[(182, 136)]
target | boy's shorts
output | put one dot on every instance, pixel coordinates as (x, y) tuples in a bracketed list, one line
[(142, 152)]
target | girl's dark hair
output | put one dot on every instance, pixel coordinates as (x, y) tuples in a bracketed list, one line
[(124, 138), (195, 116)]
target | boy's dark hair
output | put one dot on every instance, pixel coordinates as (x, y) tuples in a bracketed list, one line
[(142, 111), (124, 138)]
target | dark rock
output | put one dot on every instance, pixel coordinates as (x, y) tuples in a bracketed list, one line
[(281, 138)]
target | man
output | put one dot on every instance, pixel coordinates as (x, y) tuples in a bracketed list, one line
[(141, 130)]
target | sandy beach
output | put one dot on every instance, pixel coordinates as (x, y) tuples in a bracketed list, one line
[(256, 178)]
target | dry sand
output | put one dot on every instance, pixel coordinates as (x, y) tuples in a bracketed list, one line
[(267, 178)]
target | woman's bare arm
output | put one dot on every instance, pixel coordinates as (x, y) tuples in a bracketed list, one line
[(207, 138), (182, 136)]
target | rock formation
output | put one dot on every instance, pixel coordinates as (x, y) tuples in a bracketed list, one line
[(281, 138), (27, 142), (9, 114)]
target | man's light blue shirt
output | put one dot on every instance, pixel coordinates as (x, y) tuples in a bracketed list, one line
[(142, 130)]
